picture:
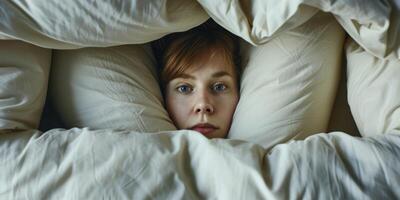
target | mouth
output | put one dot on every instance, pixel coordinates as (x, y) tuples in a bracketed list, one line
[(204, 128)]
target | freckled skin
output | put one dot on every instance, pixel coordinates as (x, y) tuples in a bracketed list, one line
[(204, 97)]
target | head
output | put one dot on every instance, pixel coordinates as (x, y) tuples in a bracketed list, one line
[(200, 79)]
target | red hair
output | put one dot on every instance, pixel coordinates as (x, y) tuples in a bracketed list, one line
[(183, 51)]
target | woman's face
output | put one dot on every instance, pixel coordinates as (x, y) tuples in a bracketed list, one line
[(204, 99)]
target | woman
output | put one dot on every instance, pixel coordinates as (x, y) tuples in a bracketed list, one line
[(200, 79)]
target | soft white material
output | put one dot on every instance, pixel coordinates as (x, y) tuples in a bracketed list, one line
[(84, 164), (24, 71), (114, 87), (373, 90), (374, 24), (377, 27), (289, 84), (72, 24), (51, 23)]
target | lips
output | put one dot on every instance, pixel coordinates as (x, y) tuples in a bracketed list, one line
[(204, 129)]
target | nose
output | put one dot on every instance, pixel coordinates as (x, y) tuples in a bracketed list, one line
[(203, 104), (204, 108)]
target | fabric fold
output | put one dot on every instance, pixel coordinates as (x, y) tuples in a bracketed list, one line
[(375, 25), (82, 163)]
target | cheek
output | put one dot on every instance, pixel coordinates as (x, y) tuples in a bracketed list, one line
[(228, 105), (177, 109)]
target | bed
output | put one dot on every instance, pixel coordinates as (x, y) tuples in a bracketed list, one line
[(81, 113)]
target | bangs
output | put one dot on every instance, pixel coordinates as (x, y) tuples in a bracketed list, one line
[(192, 52)]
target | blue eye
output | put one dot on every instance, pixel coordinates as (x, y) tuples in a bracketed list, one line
[(185, 89), (219, 87)]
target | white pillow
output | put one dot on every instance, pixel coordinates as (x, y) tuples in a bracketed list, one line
[(24, 70), (114, 87), (373, 90), (289, 84)]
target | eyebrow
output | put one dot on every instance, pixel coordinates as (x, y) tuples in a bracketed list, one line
[(186, 76), (215, 75), (220, 73)]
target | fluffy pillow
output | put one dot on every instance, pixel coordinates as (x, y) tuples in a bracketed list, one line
[(373, 90), (289, 84), (24, 70), (114, 87)]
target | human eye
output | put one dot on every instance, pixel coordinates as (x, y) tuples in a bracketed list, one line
[(219, 87), (184, 89)]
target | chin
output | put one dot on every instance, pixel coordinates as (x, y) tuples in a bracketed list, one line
[(218, 135)]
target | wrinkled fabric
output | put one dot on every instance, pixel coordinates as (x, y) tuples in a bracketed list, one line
[(106, 164), (75, 24), (373, 90), (113, 87), (109, 164), (24, 72), (289, 84), (373, 24)]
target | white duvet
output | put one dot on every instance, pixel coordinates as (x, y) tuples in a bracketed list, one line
[(111, 164), (85, 164), (373, 24)]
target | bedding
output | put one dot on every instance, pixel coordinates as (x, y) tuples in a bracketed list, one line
[(109, 163), (290, 83), (114, 87), (51, 24), (24, 71), (294, 96), (373, 24), (374, 90)]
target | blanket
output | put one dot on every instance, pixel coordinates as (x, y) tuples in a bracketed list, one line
[(49, 23), (109, 164), (112, 164)]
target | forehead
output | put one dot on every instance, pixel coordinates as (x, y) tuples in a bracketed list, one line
[(214, 62)]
